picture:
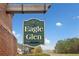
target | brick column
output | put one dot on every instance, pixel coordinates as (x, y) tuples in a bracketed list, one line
[(7, 40)]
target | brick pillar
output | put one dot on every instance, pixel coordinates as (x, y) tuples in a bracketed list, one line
[(7, 40)]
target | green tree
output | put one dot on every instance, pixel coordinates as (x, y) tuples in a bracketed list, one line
[(70, 45)]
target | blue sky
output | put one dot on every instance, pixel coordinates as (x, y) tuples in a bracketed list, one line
[(61, 22)]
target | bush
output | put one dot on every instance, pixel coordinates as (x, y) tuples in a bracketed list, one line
[(37, 49)]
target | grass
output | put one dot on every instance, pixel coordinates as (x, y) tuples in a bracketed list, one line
[(49, 54), (38, 54), (55, 54), (70, 54)]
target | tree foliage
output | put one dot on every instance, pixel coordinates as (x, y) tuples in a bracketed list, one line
[(70, 45)]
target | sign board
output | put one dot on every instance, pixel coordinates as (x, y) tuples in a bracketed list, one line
[(33, 32)]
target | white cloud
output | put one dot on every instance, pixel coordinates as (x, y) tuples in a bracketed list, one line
[(47, 41), (18, 36), (15, 34), (46, 46), (78, 17), (75, 17), (58, 24)]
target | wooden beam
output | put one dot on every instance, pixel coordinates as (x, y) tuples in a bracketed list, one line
[(27, 8)]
